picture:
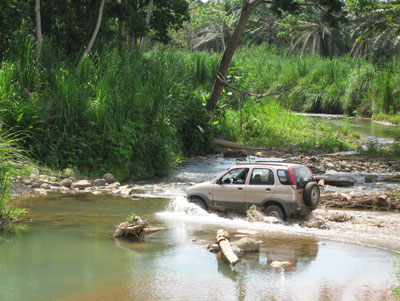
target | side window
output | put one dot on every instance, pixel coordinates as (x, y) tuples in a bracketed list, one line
[(283, 176), (235, 176), (262, 176)]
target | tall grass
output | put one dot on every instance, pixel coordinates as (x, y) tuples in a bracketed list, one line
[(129, 114), (315, 84), (270, 125)]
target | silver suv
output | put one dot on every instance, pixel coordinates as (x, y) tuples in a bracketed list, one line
[(281, 189)]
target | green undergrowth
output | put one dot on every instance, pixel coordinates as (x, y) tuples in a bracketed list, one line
[(394, 118), (270, 125), (10, 167), (387, 151), (138, 115)]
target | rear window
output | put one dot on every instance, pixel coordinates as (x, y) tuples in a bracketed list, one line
[(302, 175)]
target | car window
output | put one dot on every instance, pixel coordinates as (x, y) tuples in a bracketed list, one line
[(302, 175), (283, 176), (235, 176), (262, 176)]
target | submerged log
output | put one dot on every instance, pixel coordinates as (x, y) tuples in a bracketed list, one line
[(135, 230), (226, 250), (335, 182)]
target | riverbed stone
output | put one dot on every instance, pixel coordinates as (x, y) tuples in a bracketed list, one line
[(66, 182), (99, 182), (82, 184), (247, 244), (109, 177), (27, 181), (115, 185), (45, 186)]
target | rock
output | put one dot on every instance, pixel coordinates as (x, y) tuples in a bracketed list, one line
[(37, 184), (238, 251), (115, 185), (82, 184), (66, 182), (281, 264), (109, 177), (247, 244), (27, 181), (45, 186), (55, 184), (370, 179), (214, 248), (99, 182)]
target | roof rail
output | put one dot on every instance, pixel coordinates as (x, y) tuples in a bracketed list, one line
[(270, 162)]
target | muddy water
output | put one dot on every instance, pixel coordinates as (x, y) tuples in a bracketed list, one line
[(67, 253)]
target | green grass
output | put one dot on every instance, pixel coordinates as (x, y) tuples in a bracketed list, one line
[(267, 124), (10, 166), (393, 118)]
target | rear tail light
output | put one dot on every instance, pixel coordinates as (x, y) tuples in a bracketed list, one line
[(312, 174), (292, 179)]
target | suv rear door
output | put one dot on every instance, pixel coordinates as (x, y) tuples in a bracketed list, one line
[(261, 186)]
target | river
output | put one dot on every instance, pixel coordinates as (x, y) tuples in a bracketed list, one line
[(67, 251)]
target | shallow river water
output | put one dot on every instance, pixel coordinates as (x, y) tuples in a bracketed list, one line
[(67, 252)]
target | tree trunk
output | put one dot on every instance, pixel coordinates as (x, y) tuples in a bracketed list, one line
[(226, 250), (148, 18), (332, 43), (94, 35), (38, 31), (122, 28), (247, 8)]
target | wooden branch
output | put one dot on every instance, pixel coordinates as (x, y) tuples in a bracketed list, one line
[(226, 250), (38, 31)]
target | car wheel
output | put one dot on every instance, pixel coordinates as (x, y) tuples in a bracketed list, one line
[(311, 194), (199, 202), (275, 211)]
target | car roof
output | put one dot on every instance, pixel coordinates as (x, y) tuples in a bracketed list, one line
[(269, 163)]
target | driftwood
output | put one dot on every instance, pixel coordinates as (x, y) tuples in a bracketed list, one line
[(335, 182), (132, 230), (228, 144), (226, 250)]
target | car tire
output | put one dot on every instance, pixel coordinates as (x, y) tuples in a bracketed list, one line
[(199, 202), (275, 211), (311, 194)]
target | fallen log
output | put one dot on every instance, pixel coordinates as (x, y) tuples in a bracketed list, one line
[(228, 144), (135, 230), (226, 250), (335, 182)]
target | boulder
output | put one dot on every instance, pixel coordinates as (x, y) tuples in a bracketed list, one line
[(27, 181), (45, 186), (247, 245), (371, 179), (82, 184), (66, 182), (99, 182), (115, 185), (109, 177), (281, 264), (238, 251)]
